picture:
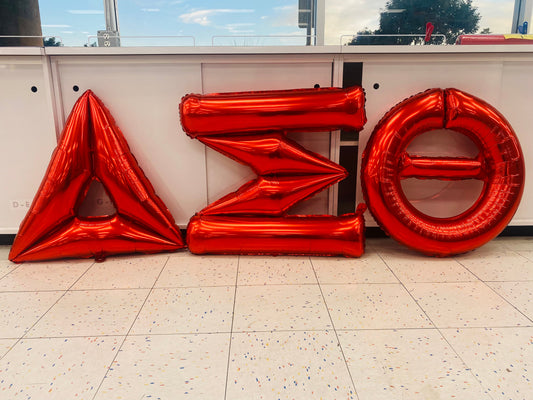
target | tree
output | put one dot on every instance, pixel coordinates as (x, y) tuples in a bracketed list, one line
[(450, 17), (52, 42)]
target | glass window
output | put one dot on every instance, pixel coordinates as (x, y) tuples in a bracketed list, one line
[(275, 22)]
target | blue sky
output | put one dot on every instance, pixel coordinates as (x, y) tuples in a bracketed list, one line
[(74, 20)]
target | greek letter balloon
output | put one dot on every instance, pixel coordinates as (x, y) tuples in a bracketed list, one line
[(499, 164)]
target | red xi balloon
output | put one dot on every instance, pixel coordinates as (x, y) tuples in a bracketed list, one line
[(93, 148), (499, 165), (250, 128)]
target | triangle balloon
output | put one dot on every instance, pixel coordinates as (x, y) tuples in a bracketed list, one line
[(93, 148)]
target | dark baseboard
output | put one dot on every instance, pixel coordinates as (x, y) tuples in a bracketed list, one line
[(7, 239), (527, 230)]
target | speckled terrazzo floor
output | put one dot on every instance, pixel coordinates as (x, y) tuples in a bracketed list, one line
[(390, 325)]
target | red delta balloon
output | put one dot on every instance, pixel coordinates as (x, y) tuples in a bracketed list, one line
[(92, 147), (499, 165), (250, 128)]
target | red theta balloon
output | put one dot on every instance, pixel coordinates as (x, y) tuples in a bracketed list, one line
[(93, 148), (291, 235), (499, 165)]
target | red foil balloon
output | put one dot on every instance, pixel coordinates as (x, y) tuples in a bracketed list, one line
[(320, 109), (499, 164), (93, 148), (293, 235), (252, 220), (288, 174)]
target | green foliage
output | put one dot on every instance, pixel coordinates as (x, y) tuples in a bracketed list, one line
[(450, 17), (52, 42)]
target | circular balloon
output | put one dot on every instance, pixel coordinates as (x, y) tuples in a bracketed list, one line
[(499, 165)]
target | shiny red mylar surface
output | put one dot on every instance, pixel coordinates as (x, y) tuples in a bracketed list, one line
[(250, 127), (499, 165), (294, 235), (319, 109), (288, 174), (92, 147)]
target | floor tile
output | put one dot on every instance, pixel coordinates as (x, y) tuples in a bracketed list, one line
[(59, 368), (526, 253), (188, 270), (4, 252), (505, 265), (380, 244), (519, 294), (370, 268), (187, 310), (407, 364), (502, 359), (283, 307), (275, 270), (21, 310), (287, 365), (471, 304), (55, 275), (419, 268), (517, 243), (6, 266), (168, 367), (91, 313), (5, 346), (122, 273), (373, 306)]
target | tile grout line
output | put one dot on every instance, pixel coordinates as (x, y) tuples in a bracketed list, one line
[(129, 330), (439, 330), (49, 308), (498, 294), (334, 329), (231, 327), (275, 331), (12, 270)]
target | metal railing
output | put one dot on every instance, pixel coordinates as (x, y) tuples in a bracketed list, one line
[(257, 37), (32, 37), (420, 35), (92, 39)]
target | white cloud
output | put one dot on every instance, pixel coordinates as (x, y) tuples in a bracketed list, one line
[(202, 17), (55, 26), (150, 9), (496, 15), (347, 17), (285, 16), (240, 24), (67, 32), (285, 8), (86, 12), (237, 28)]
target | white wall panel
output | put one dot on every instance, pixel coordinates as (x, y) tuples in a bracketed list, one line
[(142, 91), (27, 136), (502, 84), (515, 103)]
